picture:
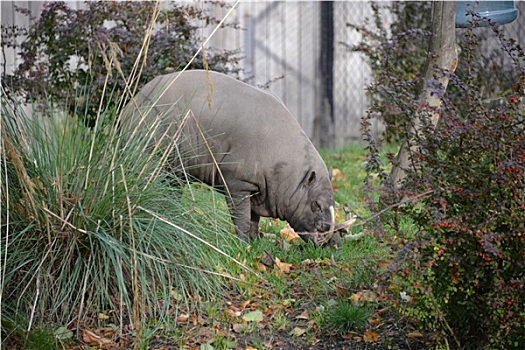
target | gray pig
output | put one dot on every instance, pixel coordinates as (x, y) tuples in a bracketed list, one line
[(267, 166)]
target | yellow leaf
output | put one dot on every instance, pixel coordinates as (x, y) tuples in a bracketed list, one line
[(102, 316), (337, 175), (355, 298), (289, 234), (370, 337), (297, 332), (281, 267), (365, 296)]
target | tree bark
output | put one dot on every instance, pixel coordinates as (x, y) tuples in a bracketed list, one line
[(443, 55)]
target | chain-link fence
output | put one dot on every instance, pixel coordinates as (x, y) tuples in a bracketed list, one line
[(295, 50), (289, 42)]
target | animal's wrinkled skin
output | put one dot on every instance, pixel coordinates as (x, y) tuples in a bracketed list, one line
[(267, 166)]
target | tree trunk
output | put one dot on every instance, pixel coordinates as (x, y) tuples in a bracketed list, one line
[(443, 55)]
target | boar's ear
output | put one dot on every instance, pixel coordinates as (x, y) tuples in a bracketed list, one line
[(330, 173), (311, 179)]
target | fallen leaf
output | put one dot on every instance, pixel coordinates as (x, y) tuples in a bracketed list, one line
[(253, 316), (374, 320), (251, 348), (362, 297), (281, 267), (232, 313), (415, 335), (260, 267), (289, 234), (308, 262), (92, 338), (243, 305), (288, 302), (267, 259), (297, 332), (350, 336), (183, 319), (102, 316), (337, 174), (63, 333), (238, 327), (206, 346), (370, 337), (355, 298), (303, 315)]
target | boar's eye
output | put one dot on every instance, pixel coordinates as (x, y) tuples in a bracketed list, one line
[(316, 207)]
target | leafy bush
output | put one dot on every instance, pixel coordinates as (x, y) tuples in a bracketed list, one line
[(398, 51), (462, 275), (69, 56)]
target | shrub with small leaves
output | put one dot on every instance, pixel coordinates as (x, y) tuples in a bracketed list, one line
[(396, 50), (76, 55), (462, 275)]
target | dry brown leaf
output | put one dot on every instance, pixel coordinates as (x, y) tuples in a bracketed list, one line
[(267, 259), (232, 313), (370, 337), (289, 234), (349, 336), (102, 316), (303, 315), (364, 296), (281, 267), (183, 319), (308, 262), (260, 267), (415, 335), (244, 304), (92, 338), (374, 320), (238, 327)]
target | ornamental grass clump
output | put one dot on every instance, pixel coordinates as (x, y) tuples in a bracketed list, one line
[(95, 227), (461, 276), (91, 227)]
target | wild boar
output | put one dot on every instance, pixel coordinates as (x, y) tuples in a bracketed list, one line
[(243, 142)]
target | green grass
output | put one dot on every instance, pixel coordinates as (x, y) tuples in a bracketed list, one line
[(320, 280), (90, 232), (345, 316)]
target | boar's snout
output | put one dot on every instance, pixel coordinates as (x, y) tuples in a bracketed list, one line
[(322, 226), (324, 222), (323, 216)]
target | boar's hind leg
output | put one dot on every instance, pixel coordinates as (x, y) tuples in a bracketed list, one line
[(246, 222)]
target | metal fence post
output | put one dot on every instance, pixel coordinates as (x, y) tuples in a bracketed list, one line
[(326, 62)]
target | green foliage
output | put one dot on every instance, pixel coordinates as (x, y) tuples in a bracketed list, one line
[(395, 52), (345, 316), (73, 56), (462, 276), (15, 335), (93, 226)]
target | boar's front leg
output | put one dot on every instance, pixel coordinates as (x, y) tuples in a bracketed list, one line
[(246, 222)]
